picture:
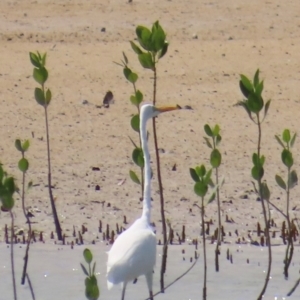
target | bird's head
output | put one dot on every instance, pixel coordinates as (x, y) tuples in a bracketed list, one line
[(151, 111)]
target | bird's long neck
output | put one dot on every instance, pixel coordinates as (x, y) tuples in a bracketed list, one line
[(147, 170)]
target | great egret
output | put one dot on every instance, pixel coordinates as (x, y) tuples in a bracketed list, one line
[(134, 251)]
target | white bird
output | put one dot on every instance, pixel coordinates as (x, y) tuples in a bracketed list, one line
[(134, 251)]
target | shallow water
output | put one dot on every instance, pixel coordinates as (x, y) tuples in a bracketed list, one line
[(56, 274)]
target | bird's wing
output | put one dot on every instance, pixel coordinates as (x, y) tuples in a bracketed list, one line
[(130, 255), (128, 243)]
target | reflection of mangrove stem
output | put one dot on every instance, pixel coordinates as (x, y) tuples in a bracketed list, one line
[(30, 287), (178, 278), (294, 288)]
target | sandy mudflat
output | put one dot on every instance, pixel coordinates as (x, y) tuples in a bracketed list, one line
[(233, 37)]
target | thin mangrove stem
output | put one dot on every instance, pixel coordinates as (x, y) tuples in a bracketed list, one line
[(268, 240), (162, 209), (217, 251), (26, 257), (204, 291), (55, 216), (290, 247), (12, 233)]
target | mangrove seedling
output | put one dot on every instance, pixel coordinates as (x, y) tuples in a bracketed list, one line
[(152, 46), (254, 105), (7, 190), (212, 141), (23, 166), (287, 142), (43, 97), (202, 179), (91, 285), (135, 99)]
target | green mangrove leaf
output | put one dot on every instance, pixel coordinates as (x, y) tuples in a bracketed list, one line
[(91, 288), (256, 78), (133, 100), (216, 130), (245, 86), (164, 50), (18, 145), (286, 136), (293, 140), (158, 37), (267, 106), (2, 173), (255, 103), (7, 201), (210, 199), (125, 58), (194, 175), (34, 59), (43, 59), (208, 130), (25, 145), (40, 75), (139, 96), (280, 182), (84, 269), (201, 171), (39, 96), (134, 177), (279, 141), (257, 172), (135, 123), (129, 75), (287, 158), (88, 256), (94, 268), (208, 143), (265, 191), (255, 159), (144, 37), (135, 48), (23, 164), (200, 189), (146, 60), (215, 158), (293, 179), (48, 97), (259, 88), (137, 157), (9, 184), (207, 179)]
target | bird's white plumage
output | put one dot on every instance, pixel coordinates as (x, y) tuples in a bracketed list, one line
[(134, 251), (138, 244)]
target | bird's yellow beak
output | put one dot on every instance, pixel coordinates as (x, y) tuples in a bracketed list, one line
[(167, 108)]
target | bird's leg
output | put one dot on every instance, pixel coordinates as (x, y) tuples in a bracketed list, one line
[(149, 278), (151, 295), (123, 290)]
